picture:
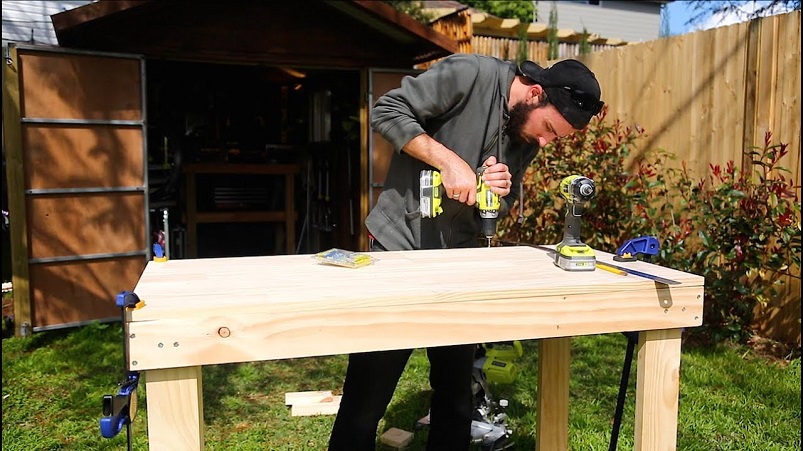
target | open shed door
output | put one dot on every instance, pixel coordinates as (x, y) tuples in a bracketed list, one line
[(380, 150), (74, 138)]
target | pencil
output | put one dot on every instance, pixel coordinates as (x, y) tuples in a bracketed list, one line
[(611, 269)]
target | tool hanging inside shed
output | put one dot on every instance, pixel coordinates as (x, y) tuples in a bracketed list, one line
[(571, 253), (120, 410)]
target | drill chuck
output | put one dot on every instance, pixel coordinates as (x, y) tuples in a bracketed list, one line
[(488, 227), (577, 189)]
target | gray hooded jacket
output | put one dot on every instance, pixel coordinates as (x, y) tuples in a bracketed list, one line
[(458, 102)]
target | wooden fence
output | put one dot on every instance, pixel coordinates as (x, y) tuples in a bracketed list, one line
[(705, 97), (507, 48)]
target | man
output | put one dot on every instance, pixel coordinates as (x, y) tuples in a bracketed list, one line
[(454, 118)]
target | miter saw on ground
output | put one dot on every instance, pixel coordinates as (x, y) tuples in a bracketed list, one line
[(493, 364)]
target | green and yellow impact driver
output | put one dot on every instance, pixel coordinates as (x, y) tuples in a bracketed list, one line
[(572, 254)]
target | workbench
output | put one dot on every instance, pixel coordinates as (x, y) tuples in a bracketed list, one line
[(200, 312)]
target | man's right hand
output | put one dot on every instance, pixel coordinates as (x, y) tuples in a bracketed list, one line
[(460, 181), (458, 178)]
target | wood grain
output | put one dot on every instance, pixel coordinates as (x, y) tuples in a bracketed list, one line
[(552, 421), (175, 409), (211, 311), (658, 389)]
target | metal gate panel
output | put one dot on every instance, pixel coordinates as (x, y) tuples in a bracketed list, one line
[(84, 86), (84, 162), (66, 226), (70, 293), (82, 156)]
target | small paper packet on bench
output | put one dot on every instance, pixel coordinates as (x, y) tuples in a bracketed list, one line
[(340, 257)]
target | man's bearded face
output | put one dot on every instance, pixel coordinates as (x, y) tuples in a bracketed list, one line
[(519, 114)]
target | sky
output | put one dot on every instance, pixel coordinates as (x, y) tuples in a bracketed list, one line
[(681, 11)]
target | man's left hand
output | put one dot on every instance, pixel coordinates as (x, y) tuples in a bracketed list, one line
[(497, 176)]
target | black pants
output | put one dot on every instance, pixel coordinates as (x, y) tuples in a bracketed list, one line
[(371, 379)]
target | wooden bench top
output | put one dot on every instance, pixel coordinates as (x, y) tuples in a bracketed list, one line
[(223, 310)]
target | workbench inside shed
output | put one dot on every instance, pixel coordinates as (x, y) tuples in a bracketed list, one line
[(213, 311)]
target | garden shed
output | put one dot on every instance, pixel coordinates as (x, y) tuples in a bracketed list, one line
[(218, 129)]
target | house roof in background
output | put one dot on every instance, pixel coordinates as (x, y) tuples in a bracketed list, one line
[(486, 24), (28, 21)]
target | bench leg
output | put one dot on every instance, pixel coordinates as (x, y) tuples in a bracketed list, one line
[(657, 390), (552, 424), (175, 409)]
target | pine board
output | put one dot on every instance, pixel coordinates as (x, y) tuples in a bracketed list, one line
[(307, 397), (329, 407), (211, 311)]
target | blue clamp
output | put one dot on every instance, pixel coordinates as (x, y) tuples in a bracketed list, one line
[(159, 253), (127, 300), (631, 249), (120, 409)]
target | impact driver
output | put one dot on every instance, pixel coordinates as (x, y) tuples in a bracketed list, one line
[(572, 254)]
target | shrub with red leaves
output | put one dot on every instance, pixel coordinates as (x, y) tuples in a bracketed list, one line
[(739, 229)]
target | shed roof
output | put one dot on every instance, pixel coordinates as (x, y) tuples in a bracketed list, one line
[(338, 33)]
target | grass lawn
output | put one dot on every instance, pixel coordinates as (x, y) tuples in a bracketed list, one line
[(730, 400)]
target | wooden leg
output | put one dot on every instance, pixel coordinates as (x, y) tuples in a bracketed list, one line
[(657, 390), (175, 409), (552, 424)]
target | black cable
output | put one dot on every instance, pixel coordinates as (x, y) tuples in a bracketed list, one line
[(632, 339)]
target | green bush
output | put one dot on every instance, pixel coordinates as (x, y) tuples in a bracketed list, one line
[(739, 230)]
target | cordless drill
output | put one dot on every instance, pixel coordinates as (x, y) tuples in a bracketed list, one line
[(488, 204), (572, 254), (431, 195)]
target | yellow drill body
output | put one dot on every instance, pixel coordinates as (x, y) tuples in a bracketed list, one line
[(572, 254), (488, 202)]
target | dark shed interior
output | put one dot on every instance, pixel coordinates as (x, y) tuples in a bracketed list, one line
[(255, 113)]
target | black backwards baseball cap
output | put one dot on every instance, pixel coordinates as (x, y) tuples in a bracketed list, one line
[(570, 86)]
